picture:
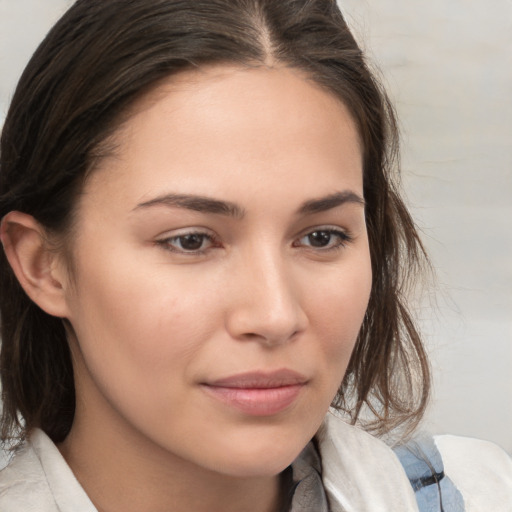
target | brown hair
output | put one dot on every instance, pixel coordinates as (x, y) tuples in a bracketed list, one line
[(92, 66)]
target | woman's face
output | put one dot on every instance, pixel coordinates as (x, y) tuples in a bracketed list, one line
[(221, 270)]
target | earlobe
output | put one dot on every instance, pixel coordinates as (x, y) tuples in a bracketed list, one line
[(36, 267)]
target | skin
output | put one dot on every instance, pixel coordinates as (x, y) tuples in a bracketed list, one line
[(152, 322)]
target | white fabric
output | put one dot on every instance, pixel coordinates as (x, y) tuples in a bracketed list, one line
[(360, 474), (38, 479), (480, 470)]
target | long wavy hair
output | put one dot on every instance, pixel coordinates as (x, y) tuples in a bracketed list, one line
[(99, 59)]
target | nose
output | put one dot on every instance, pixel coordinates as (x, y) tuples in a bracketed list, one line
[(266, 303)]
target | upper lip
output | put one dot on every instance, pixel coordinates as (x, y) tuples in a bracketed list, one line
[(260, 380)]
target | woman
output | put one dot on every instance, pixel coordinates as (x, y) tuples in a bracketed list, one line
[(203, 251)]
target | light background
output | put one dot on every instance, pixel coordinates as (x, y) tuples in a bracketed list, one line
[(448, 67)]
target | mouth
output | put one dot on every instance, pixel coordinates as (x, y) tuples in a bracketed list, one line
[(258, 393)]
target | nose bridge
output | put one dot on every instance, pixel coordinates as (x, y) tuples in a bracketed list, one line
[(268, 305)]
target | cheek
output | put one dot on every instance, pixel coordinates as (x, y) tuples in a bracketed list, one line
[(138, 341), (135, 327), (337, 312), (143, 303)]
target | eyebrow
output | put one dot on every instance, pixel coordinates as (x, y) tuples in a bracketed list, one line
[(205, 204), (201, 204), (329, 202)]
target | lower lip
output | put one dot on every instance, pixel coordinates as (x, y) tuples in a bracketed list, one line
[(257, 401)]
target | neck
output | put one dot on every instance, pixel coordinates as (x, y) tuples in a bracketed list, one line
[(121, 470)]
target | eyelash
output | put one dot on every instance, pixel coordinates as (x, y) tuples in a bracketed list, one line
[(166, 243), (343, 239)]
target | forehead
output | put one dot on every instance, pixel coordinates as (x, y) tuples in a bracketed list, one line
[(228, 128)]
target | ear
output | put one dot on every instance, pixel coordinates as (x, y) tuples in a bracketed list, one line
[(40, 271)]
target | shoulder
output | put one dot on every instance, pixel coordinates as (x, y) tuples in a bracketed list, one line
[(23, 486), (360, 472), (457, 474), (39, 479), (481, 471)]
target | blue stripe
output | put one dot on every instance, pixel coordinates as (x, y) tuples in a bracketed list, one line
[(423, 464)]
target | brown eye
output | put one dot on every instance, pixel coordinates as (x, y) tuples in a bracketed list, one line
[(324, 239), (320, 238), (193, 242), (188, 243)]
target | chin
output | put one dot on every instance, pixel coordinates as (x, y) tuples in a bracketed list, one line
[(259, 457), (258, 467)]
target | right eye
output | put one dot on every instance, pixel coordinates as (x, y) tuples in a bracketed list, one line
[(189, 243), (324, 239)]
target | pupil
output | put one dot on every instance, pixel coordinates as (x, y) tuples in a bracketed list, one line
[(320, 238), (191, 242)]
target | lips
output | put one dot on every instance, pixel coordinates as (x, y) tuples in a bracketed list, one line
[(258, 393)]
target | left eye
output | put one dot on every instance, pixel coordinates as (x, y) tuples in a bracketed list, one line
[(188, 242), (324, 239)]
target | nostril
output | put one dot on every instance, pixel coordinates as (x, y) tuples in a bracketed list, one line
[(270, 339), (266, 309)]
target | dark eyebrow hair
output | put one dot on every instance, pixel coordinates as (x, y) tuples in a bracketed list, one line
[(196, 203), (323, 204), (205, 204)]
